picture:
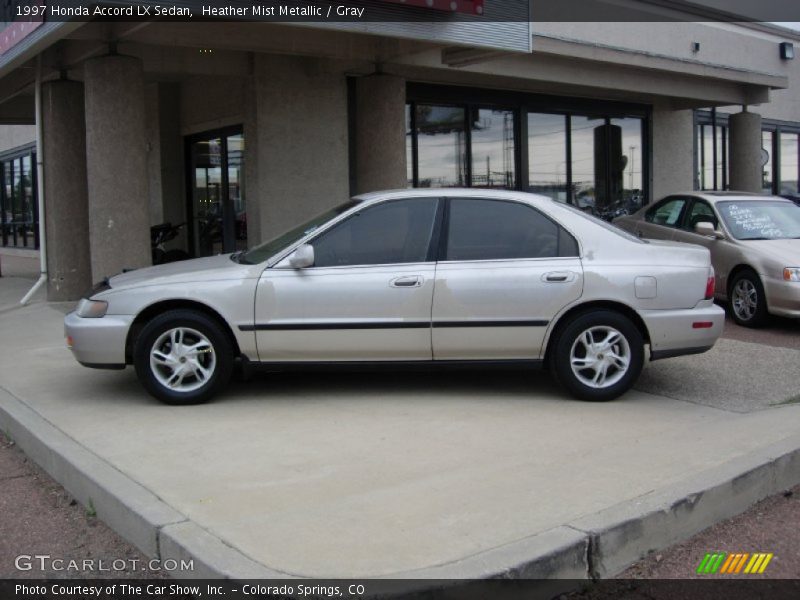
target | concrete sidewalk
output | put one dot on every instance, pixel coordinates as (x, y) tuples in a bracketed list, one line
[(401, 475)]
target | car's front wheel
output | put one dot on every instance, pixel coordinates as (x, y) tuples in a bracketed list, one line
[(598, 355), (183, 357), (746, 302)]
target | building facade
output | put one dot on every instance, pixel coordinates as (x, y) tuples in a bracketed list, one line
[(240, 130)]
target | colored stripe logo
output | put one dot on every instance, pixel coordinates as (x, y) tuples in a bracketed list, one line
[(734, 563)]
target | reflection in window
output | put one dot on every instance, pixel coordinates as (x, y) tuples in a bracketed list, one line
[(766, 170), (393, 232), (235, 191), (789, 165), (495, 230), (594, 161), (547, 155), (409, 149), (441, 144), (712, 152), (19, 222), (666, 213), (626, 165), (585, 187), (493, 148)]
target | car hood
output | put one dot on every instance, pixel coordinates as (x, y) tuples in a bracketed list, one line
[(785, 251), (185, 271)]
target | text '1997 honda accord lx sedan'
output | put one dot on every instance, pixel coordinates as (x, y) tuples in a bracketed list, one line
[(411, 277)]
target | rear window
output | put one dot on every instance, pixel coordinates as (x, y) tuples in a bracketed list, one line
[(604, 224)]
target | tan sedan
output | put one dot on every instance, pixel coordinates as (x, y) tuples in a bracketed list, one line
[(754, 242)]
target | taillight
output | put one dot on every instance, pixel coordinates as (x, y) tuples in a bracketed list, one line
[(710, 286)]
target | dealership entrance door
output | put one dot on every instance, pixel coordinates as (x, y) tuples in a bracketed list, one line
[(217, 210)]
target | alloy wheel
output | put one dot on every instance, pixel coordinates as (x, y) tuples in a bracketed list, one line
[(600, 357), (182, 359), (745, 299)]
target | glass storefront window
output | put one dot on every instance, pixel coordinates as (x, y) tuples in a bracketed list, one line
[(707, 149), (19, 220), (235, 191), (218, 207), (441, 146), (595, 161), (585, 186), (766, 170), (547, 155), (409, 149), (790, 166), (627, 192), (493, 148)]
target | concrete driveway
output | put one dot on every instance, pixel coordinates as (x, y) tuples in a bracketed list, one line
[(413, 475)]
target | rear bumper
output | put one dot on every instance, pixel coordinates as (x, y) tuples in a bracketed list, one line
[(98, 343), (685, 331)]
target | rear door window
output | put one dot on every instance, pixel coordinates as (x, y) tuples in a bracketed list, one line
[(667, 212), (487, 229)]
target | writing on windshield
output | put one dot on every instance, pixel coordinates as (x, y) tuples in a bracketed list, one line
[(761, 220)]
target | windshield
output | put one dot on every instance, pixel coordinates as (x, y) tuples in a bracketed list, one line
[(761, 220), (263, 251)]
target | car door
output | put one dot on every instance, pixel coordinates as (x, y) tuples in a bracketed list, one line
[(505, 270), (367, 297), (661, 220), (700, 210)]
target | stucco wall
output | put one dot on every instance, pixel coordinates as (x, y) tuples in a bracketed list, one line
[(211, 102), (673, 147), (12, 136), (302, 157)]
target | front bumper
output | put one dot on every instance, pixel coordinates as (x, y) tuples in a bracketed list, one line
[(677, 332), (783, 297), (98, 342)]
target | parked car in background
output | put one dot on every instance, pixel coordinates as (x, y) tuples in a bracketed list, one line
[(417, 277), (754, 242)]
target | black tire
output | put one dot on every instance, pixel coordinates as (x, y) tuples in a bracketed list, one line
[(220, 357), (747, 283), (174, 256), (598, 323)]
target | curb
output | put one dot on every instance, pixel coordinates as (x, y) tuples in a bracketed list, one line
[(591, 547)]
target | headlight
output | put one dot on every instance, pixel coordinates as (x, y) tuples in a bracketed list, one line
[(791, 274), (91, 309)]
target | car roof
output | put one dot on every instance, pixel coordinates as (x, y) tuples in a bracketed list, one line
[(447, 192), (714, 197)]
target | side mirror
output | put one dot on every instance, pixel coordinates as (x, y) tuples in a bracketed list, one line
[(706, 228), (302, 257)]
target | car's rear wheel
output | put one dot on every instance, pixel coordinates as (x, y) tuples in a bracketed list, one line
[(183, 357), (598, 355), (747, 303)]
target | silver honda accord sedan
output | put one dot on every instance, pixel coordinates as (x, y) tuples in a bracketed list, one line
[(411, 278)]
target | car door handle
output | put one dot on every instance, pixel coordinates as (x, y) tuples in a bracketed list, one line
[(406, 282), (558, 276)]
